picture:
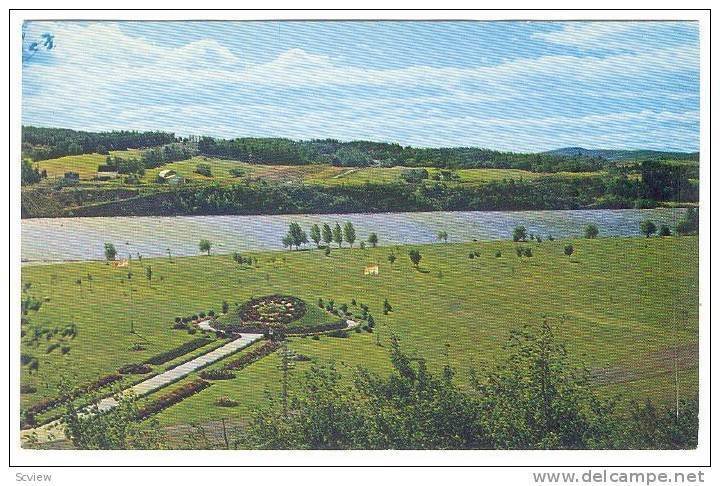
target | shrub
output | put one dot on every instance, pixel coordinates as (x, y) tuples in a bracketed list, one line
[(498, 254), (237, 172), (327, 251), (65, 349), (52, 348), (184, 348), (471, 255), (178, 319), (226, 402), (414, 176), (181, 326), (219, 374), (569, 250), (134, 369), (519, 251), (316, 338), (27, 389), (665, 230), (550, 238), (203, 169), (386, 307), (340, 333), (201, 315), (528, 252), (211, 313), (225, 307)]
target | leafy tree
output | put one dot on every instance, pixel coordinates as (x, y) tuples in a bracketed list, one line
[(664, 230), (415, 257), (391, 257), (287, 241), (327, 234), (205, 246), (591, 231), (337, 235), (536, 400), (647, 228), (349, 233), (110, 252), (373, 239), (116, 429), (296, 236), (148, 273), (29, 174), (520, 233), (569, 250), (690, 224), (533, 399), (442, 236), (315, 234)]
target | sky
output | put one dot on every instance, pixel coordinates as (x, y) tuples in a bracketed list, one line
[(521, 86)]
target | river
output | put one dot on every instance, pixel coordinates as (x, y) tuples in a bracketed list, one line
[(66, 239)]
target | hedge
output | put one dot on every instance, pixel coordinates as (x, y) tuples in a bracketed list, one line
[(173, 353), (252, 356), (171, 398), (53, 402)]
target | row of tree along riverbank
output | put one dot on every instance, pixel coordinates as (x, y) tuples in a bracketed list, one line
[(264, 198)]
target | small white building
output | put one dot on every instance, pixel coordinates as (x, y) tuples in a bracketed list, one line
[(169, 176)]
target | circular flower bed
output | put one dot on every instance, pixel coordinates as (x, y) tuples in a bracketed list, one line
[(272, 310)]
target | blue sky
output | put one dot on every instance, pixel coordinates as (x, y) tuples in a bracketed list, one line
[(523, 86)]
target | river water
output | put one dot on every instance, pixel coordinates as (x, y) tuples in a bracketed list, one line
[(60, 239)]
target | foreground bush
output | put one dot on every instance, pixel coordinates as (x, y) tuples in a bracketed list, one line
[(534, 399)]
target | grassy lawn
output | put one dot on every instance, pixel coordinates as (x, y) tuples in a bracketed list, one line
[(613, 303)]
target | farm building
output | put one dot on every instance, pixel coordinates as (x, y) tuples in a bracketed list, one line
[(168, 176), (372, 270), (106, 172)]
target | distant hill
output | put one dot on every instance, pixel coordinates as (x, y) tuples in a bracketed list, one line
[(613, 155)]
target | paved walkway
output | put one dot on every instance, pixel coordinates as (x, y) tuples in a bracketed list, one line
[(53, 431)]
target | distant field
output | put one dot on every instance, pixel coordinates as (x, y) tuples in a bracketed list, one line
[(613, 303), (86, 165), (328, 175)]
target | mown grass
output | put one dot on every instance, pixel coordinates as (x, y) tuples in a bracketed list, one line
[(613, 302)]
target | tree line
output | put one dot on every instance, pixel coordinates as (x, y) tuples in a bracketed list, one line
[(366, 153), (39, 143), (326, 234)]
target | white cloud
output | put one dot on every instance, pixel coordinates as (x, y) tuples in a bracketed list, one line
[(99, 77)]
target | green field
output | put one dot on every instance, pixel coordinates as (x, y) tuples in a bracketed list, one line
[(85, 165), (323, 174), (617, 303)]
